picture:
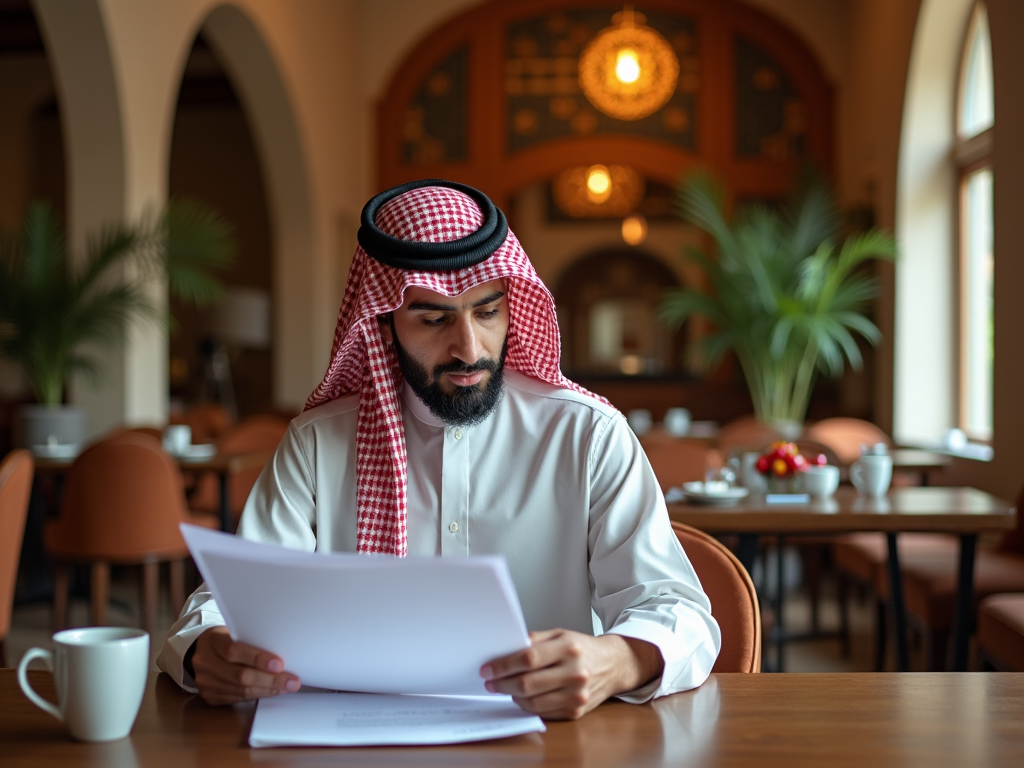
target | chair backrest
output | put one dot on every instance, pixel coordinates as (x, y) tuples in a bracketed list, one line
[(254, 433), (208, 422), (747, 434), (677, 461), (845, 436), (15, 489), (733, 599), (123, 501), (1013, 541)]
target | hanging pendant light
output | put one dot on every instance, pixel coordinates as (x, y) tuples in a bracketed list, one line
[(628, 71)]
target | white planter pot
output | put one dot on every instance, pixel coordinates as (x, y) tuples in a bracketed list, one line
[(35, 424)]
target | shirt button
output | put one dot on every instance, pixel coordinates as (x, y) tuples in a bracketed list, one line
[(453, 527), (458, 436)]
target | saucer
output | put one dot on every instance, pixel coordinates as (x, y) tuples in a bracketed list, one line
[(695, 494), (196, 452), (59, 451)]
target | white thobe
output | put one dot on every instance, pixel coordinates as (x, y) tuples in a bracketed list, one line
[(553, 480)]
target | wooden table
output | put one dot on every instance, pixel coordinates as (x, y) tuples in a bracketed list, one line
[(920, 461), (962, 511), (791, 720)]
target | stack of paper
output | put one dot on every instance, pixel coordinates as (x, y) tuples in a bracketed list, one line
[(374, 625)]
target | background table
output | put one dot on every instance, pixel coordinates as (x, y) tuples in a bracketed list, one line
[(876, 719), (962, 511)]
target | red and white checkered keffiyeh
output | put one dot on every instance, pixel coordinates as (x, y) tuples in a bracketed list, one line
[(362, 363)]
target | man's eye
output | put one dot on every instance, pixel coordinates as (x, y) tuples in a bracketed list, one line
[(489, 313), (432, 321)]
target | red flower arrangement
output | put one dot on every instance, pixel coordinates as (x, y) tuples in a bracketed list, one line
[(785, 460)]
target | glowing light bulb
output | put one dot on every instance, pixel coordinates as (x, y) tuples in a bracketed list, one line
[(599, 183), (634, 229), (627, 66)]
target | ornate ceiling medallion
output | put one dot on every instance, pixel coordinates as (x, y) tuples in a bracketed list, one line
[(598, 191), (628, 70)]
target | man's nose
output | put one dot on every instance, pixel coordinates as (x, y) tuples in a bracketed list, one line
[(465, 344)]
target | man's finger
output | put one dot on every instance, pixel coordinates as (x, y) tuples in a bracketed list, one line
[(543, 653), (534, 683), (247, 655)]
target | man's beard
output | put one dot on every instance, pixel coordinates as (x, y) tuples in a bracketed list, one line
[(465, 406)]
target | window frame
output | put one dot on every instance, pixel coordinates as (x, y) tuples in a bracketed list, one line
[(970, 154)]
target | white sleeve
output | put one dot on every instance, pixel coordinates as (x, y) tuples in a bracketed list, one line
[(643, 584), (281, 509)]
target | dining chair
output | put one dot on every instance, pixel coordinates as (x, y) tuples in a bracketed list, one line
[(676, 460), (733, 599), (15, 488), (1001, 632), (261, 432), (746, 433), (929, 564), (845, 436), (208, 422), (122, 504)]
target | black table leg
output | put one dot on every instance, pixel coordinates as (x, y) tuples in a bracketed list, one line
[(963, 611), (899, 621), (746, 551), (780, 627), (225, 503)]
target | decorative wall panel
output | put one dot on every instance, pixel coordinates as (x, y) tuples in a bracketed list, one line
[(771, 118), (434, 127)]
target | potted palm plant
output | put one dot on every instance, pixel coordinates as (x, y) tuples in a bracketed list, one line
[(782, 292), (56, 311)]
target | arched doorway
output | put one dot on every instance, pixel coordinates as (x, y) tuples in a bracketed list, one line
[(607, 313), (214, 159)]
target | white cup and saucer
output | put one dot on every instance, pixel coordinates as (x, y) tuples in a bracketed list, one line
[(820, 482), (177, 439)]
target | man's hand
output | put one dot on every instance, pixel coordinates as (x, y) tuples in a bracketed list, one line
[(227, 672), (563, 674)]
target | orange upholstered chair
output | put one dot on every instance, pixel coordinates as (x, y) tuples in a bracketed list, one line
[(253, 433), (15, 489), (676, 461), (733, 599), (122, 504), (747, 434), (846, 436), (1001, 632), (208, 422)]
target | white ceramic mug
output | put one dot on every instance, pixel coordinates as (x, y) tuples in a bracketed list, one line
[(819, 481), (177, 438), (871, 475), (677, 421), (100, 674), (640, 420)]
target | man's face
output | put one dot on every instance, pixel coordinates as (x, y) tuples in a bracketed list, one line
[(452, 350)]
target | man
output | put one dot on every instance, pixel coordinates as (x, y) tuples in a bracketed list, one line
[(444, 427)]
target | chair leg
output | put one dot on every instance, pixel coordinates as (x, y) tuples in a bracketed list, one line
[(150, 591), (100, 593), (61, 577), (3, 655), (880, 633), (176, 570), (813, 567), (843, 597)]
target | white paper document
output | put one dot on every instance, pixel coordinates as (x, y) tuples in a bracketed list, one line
[(365, 719), (365, 623)]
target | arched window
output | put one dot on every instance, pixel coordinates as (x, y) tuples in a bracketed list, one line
[(973, 154)]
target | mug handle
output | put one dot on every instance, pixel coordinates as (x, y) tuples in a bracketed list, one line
[(35, 698)]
